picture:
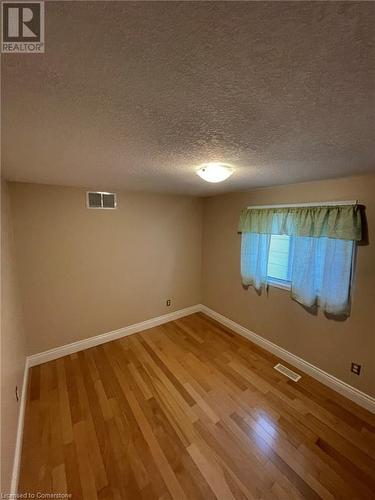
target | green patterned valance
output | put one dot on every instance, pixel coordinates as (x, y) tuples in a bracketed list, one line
[(336, 221)]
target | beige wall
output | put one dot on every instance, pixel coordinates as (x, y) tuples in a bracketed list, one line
[(85, 272), (13, 348), (331, 345)]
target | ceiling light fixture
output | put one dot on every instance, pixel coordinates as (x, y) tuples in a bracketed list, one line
[(215, 172)]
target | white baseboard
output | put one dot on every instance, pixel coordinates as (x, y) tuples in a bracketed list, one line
[(20, 426), (325, 378), (80, 345), (334, 383)]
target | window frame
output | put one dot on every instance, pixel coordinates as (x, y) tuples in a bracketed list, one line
[(282, 284)]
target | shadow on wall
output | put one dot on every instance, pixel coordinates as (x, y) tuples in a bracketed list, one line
[(365, 234)]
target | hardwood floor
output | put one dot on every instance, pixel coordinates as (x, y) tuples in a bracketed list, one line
[(191, 410)]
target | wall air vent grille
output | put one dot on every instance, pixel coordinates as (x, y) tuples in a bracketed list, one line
[(98, 199), (288, 373)]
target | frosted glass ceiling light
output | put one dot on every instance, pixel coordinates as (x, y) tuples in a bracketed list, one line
[(215, 172)]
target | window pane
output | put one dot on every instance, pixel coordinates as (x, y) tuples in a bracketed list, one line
[(278, 262)]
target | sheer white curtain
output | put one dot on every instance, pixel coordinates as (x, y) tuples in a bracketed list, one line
[(321, 273), (254, 259), (322, 245)]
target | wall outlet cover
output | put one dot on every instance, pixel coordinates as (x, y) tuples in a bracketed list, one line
[(356, 368)]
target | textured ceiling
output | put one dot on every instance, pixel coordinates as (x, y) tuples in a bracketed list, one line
[(135, 95)]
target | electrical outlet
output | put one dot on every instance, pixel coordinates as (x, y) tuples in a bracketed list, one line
[(16, 392), (356, 368), (168, 303)]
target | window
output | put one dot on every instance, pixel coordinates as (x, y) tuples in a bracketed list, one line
[(279, 260), (308, 249)]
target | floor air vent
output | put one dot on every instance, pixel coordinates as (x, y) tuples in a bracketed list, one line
[(288, 373)]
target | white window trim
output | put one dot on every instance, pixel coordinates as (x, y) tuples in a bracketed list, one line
[(284, 285)]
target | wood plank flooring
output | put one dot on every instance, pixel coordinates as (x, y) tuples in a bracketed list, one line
[(190, 410)]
